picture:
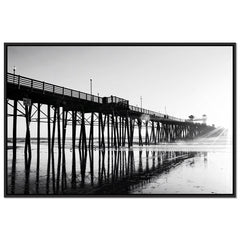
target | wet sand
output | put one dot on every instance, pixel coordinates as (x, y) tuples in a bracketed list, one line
[(202, 166)]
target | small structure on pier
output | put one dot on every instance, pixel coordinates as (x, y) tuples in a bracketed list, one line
[(202, 120)]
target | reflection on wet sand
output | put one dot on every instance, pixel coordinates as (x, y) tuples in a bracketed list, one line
[(116, 171)]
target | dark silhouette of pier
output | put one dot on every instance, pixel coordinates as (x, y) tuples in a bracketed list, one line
[(117, 123)]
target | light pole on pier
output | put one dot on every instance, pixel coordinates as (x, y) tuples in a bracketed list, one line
[(91, 86), (14, 71), (91, 89), (141, 102)]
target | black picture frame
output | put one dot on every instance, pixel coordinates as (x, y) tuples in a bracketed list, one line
[(233, 45)]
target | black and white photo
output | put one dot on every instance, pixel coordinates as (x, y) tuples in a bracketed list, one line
[(120, 119)]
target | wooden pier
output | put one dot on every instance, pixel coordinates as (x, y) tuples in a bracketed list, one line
[(112, 120)]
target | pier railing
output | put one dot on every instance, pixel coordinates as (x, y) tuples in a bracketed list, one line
[(21, 81), (51, 88), (156, 114)]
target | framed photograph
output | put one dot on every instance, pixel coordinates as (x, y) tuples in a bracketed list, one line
[(120, 119)]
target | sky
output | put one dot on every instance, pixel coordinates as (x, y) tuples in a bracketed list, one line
[(181, 80)]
